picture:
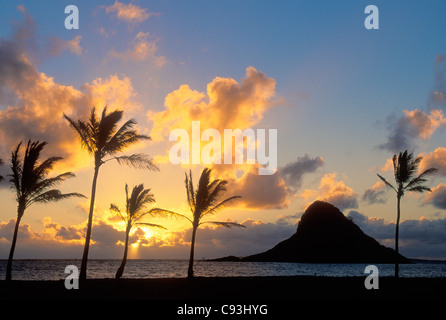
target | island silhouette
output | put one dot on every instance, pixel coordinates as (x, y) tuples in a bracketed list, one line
[(325, 235)]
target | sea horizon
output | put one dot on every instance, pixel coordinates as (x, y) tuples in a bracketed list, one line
[(54, 269)]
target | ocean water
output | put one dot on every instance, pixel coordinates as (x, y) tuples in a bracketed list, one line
[(55, 269)]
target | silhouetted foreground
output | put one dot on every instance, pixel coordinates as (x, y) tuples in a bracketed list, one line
[(325, 235), (230, 289)]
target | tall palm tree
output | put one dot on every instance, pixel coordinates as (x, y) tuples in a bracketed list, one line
[(135, 210), (405, 167), (103, 140), (31, 185), (202, 202)]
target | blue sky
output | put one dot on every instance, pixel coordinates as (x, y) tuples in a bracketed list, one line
[(340, 93)]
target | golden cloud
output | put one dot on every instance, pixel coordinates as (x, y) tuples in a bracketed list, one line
[(332, 191), (226, 104), (129, 12)]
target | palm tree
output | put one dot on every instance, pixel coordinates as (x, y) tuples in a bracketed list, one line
[(102, 138), (1, 163), (31, 185), (405, 168), (135, 210), (202, 202)]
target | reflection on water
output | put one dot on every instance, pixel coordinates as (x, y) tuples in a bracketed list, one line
[(54, 269)]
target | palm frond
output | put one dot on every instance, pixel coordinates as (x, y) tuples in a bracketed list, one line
[(52, 196), (84, 132), (16, 176), (219, 206), (419, 189), (117, 211), (45, 184), (418, 181), (217, 187), (223, 224), (138, 161), (386, 182), (190, 191), (202, 192), (150, 225), (168, 213), (107, 127)]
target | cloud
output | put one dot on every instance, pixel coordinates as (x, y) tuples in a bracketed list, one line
[(129, 12), (332, 191), (293, 172), (214, 242), (143, 49), (259, 191), (434, 159), (423, 238), (436, 99), (437, 197), (59, 241), (56, 45), (226, 104), (419, 124), (412, 125), (24, 38), (375, 193), (32, 103)]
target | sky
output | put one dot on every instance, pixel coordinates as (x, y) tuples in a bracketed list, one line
[(343, 99)]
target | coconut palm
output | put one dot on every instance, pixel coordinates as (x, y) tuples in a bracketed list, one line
[(103, 140), (31, 185), (135, 211), (405, 167), (203, 202)]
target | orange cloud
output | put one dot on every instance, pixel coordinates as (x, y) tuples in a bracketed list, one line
[(37, 110), (332, 191), (143, 49), (425, 124), (129, 12), (434, 159), (33, 103), (226, 104)]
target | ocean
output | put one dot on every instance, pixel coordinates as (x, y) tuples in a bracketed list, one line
[(54, 269)]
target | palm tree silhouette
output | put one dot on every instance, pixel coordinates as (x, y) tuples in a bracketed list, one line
[(135, 211), (1, 163), (31, 185), (405, 168), (102, 138), (202, 202)]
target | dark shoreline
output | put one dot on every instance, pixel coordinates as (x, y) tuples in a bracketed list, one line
[(230, 288)]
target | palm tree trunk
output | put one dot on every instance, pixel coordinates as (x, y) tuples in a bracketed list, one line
[(14, 241), (190, 271), (124, 258), (397, 266), (83, 271)]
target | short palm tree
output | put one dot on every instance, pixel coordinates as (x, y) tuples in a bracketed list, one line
[(102, 138), (203, 202), (405, 167), (31, 185), (135, 211)]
